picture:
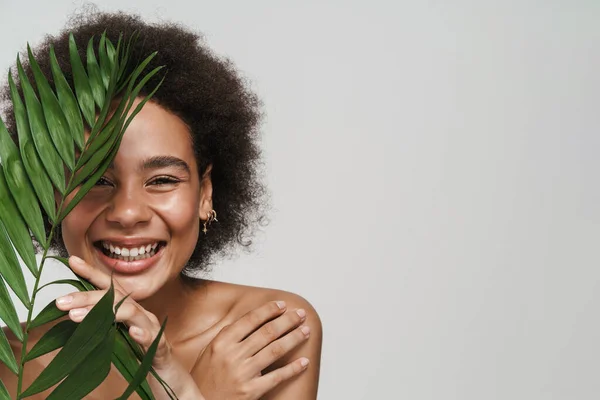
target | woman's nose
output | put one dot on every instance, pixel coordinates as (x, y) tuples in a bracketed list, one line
[(128, 208)]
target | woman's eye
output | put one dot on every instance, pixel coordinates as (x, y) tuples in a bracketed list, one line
[(103, 182), (163, 180)]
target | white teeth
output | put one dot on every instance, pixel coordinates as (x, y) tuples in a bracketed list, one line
[(133, 258), (128, 255)]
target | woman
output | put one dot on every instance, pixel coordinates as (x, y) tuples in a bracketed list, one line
[(151, 220)]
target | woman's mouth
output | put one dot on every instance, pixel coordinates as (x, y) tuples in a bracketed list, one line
[(129, 258)]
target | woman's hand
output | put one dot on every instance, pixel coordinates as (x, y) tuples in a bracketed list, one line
[(230, 366), (143, 328)]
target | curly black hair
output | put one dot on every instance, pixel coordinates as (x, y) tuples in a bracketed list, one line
[(208, 94)]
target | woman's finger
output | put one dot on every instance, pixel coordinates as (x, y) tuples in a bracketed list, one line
[(82, 299), (145, 337), (252, 320), (279, 348), (144, 330), (143, 327), (132, 314), (97, 277), (271, 331), (267, 382)]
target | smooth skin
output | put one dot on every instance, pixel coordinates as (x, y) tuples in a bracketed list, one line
[(222, 341)]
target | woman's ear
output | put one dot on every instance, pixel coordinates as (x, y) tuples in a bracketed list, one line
[(206, 190)]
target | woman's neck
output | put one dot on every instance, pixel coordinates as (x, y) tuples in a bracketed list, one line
[(177, 300)]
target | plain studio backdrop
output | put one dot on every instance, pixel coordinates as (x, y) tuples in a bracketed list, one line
[(434, 176)]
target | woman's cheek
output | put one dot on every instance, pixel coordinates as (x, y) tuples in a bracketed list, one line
[(77, 223), (179, 211)]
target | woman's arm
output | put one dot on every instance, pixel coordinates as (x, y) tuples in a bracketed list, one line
[(305, 385), (230, 366)]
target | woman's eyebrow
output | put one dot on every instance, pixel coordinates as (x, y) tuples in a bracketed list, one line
[(165, 161)]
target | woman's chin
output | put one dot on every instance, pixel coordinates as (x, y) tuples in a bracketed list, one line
[(137, 288)]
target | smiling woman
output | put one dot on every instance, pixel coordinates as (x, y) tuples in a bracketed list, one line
[(190, 153), (151, 196)]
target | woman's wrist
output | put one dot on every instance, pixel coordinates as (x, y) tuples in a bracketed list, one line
[(179, 380), (192, 392)]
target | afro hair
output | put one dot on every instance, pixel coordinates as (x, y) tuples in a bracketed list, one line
[(208, 94)]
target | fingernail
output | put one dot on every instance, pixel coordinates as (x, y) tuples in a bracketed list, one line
[(281, 304), (304, 362), (61, 301), (305, 330), (136, 331), (301, 313), (78, 312)]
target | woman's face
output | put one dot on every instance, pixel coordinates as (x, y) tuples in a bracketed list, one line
[(141, 220)]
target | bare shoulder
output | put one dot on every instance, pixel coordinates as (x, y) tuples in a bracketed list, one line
[(244, 299), (32, 368), (305, 386), (293, 302), (33, 337)]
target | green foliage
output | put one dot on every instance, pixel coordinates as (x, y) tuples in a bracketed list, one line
[(52, 160)]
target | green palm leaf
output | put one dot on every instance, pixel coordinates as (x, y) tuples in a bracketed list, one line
[(88, 335), (15, 226), (144, 368), (4, 395), (68, 102), (125, 360), (33, 165), (104, 63), (82, 84), (8, 314), (86, 286), (76, 284), (48, 314), (137, 350), (83, 189), (57, 124), (111, 53), (6, 354), (98, 90), (52, 160), (123, 108), (10, 269), (20, 186), (55, 338), (39, 131), (90, 373), (132, 39)]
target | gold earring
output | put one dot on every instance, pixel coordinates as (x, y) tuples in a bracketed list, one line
[(212, 216)]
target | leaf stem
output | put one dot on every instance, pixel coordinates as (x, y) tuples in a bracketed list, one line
[(32, 302)]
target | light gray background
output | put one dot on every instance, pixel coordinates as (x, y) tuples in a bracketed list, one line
[(434, 176)]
